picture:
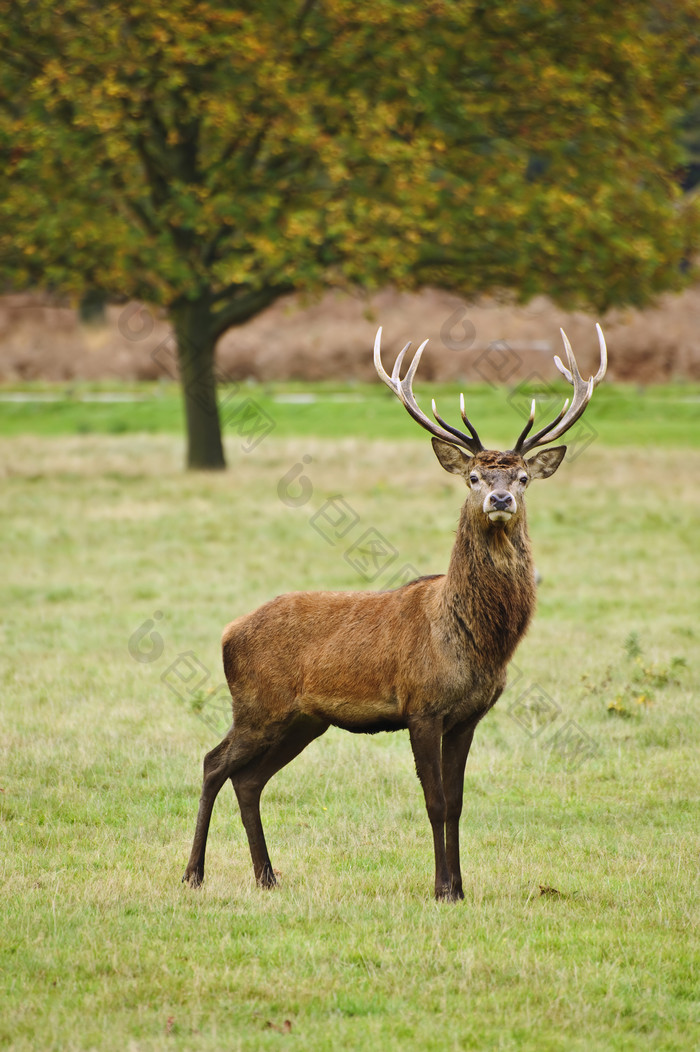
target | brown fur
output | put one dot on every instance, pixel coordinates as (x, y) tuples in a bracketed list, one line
[(429, 657)]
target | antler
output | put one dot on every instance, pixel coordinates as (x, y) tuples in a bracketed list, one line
[(403, 389), (583, 389)]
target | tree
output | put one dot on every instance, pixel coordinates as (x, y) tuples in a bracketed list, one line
[(211, 157)]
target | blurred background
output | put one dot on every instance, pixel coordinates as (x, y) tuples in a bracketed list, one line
[(214, 193), (332, 337)]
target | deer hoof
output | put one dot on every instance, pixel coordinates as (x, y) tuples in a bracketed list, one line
[(194, 880), (267, 878), (448, 894)]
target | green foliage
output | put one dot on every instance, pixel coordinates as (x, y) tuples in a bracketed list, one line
[(632, 645), (637, 681), (235, 151)]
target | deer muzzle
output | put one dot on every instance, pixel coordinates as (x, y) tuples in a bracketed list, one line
[(499, 505)]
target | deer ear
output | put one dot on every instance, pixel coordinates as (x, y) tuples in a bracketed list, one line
[(451, 457), (546, 462)]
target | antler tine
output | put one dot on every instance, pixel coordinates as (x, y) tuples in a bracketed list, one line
[(570, 355), (572, 373), (528, 426), (522, 446), (467, 421), (403, 389), (390, 381), (396, 371), (583, 390), (603, 368), (407, 381)]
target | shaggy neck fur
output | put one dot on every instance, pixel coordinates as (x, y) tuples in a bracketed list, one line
[(489, 589)]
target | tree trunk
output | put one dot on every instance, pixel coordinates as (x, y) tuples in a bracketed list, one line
[(192, 320)]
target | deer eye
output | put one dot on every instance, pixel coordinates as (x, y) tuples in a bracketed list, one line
[(523, 479), (473, 478)]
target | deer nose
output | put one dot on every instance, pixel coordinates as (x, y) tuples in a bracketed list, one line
[(501, 500)]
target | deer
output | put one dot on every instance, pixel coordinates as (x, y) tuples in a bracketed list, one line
[(429, 657)]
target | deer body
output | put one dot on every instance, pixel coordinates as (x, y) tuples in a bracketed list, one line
[(429, 657), (307, 652)]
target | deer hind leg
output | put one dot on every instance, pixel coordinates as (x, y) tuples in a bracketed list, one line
[(455, 750), (250, 781), (234, 751), (426, 735)]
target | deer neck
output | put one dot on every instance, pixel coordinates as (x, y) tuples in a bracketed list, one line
[(489, 588)]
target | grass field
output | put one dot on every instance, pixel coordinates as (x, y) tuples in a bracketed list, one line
[(623, 415), (580, 830)]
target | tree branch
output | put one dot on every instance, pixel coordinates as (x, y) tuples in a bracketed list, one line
[(243, 307), (306, 9)]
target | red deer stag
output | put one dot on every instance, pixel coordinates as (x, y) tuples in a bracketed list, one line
[(429, 657)]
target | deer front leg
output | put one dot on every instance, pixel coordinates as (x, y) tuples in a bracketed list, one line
[(455, 750), (426, 735)]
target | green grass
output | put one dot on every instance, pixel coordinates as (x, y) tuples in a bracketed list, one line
[(101, 947), (619, 414)]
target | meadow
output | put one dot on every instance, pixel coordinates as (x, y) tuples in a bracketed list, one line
[(579, 928)]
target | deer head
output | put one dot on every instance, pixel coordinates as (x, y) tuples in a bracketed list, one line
[(497, 480)]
